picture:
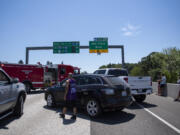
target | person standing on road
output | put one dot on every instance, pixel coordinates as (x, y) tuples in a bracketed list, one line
[(178, 97), (70, 97), (159, 90), (162, 84)]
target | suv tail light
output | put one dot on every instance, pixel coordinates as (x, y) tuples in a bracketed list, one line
[(126, 79)]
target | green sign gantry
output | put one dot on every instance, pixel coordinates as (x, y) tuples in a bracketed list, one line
[(66, 47)]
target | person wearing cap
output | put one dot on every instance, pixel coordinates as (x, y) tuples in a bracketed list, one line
[(70, 97)]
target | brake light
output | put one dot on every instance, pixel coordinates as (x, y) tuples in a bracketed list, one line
[(126, 79), (2, 65)]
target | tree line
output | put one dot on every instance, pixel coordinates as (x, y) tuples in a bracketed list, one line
[(156, 63)]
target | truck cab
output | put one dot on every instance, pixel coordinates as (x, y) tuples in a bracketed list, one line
[(58, 72)]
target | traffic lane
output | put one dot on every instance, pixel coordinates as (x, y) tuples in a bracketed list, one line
[(35, 92), (33, 97), (38, 119), (142, 123), (166, 108), (30, 100)]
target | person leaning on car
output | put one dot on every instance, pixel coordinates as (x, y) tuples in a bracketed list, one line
[(70, 97)]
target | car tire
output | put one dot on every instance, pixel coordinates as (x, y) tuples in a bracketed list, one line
[(140, 98), (50, 100), (18, 110), (27, 87), (93, 108)]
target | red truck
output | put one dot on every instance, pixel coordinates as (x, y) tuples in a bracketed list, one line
[(38, 76)]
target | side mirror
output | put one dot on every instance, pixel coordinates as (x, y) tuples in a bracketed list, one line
[(15, 80)]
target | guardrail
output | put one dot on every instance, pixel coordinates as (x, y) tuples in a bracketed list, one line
[(171, 89)]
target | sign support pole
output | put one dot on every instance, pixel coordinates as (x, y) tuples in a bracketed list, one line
[(81, 47)]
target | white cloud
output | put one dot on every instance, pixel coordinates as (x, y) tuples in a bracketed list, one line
[(124, 29), (131, 30), (128, 33)]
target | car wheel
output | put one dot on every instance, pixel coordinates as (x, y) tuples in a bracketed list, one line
[(18, 110), (93, 108), (27, 87), (140, 98), (50, 100)]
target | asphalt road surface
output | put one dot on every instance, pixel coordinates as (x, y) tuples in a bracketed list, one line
[(156, 116)]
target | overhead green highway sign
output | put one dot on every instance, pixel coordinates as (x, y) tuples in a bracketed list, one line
[(98, 46), (66, 47)]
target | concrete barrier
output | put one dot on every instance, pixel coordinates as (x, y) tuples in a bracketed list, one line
[(171, 90)]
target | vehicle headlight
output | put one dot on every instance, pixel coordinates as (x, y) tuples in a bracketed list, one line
[(108, 91)]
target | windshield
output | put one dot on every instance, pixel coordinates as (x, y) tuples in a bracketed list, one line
[(118, 72), (76, 71)]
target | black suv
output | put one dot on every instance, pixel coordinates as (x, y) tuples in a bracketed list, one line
[(95, 93)]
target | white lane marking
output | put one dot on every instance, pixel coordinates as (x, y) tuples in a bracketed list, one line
[(162, 120)]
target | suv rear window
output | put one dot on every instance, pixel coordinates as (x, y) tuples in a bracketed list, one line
[(118, 72), (94, 80), (85, 80), (100, 72), (115, 80)]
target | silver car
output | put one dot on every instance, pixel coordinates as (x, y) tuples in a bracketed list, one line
[(12, 95)]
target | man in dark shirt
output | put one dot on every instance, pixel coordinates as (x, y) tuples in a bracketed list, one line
[(70, 97)]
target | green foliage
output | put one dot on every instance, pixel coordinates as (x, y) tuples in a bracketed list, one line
[(136, 71), (111, 66), (84, 72), (130, 66), (155, 73), (153, 61), (172, 62), (156, 63)]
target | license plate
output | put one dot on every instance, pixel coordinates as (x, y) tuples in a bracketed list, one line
[(124, 93)]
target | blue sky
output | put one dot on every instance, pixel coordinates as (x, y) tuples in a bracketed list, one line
[(142, 26)]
